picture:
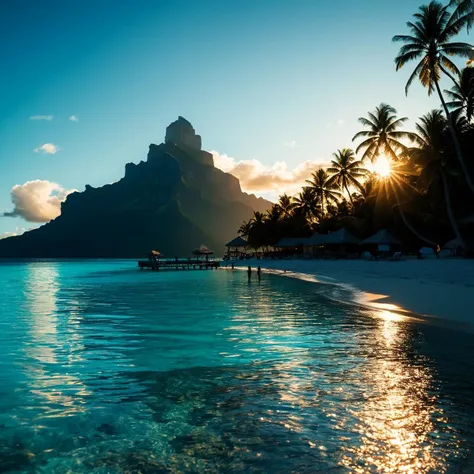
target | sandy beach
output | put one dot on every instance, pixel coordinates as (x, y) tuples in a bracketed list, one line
[(440, 288)]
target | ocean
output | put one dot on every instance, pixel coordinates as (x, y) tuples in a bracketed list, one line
[(106, 369)]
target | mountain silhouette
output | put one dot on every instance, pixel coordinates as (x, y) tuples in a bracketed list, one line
[(172, 202)]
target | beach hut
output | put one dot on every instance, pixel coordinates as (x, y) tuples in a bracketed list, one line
[(291, 245), (203, 251), (383, 241), (341, 237), (339, 241), (236, 247), (382, 237), (316, 240)]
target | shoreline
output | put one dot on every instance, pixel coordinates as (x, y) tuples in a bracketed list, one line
[(442, 289)]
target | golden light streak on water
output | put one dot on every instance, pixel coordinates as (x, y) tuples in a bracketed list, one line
[(47, 350), (395, 425)]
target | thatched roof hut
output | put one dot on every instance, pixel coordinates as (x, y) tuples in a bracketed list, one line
[(340, 237), (154, 255), (203, 251), (382, 237), (238, 242), (291, 242)]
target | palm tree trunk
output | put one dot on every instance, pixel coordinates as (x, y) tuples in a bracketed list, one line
[(448, 74), (449, 209), (457, 145), (409, 226), (350, 197)]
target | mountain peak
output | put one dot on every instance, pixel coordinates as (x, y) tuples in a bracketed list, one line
[(182, 134)]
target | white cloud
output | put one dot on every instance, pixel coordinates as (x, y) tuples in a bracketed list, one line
[(255, 177), (16, 232), (290, 144), (37, 201), (74, 118), (47, 148), (42, 117)]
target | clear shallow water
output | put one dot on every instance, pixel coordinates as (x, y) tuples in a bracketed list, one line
[(105, 369)]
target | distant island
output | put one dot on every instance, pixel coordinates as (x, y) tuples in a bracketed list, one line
[(173, 202)]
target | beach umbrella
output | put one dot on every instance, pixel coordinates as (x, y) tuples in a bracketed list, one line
[(382, 237)]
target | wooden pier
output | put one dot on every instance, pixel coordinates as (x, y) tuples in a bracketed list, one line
[(188, 264)]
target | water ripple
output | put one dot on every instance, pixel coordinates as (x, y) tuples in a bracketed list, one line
[(108, 370)]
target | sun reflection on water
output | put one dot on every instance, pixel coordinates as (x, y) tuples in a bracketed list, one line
[(49, 353), (396, 425)]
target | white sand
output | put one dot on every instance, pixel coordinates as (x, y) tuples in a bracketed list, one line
[(441, 288)]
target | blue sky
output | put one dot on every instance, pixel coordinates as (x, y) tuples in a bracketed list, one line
[(267, 80)]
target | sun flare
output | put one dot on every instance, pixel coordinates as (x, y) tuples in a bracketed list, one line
[(382, 166)]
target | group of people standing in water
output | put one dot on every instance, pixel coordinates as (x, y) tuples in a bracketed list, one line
[(249, 272), (259, 273)]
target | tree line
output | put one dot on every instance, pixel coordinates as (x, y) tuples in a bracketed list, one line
[(417, 183)]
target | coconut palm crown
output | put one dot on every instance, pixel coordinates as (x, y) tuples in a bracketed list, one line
[(462, 95), (430, 44), (346, 170), (325, 191), (383, 134)]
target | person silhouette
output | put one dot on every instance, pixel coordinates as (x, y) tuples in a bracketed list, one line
[(259, 273), (249, 273)]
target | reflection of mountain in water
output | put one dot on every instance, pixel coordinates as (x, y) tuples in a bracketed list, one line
[(174, 201)]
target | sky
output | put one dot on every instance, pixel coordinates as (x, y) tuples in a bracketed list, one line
[(273, 87)]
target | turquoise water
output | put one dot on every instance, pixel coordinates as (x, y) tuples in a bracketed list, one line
[(105, 369)]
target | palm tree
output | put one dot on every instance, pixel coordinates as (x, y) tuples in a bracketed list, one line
[(367, 191), (432, 31), (306, 202), (462, 95), (431, 159), (286, 204), (464, 7), (257, 229), (273, 225), (273, 214), (383, 135), (346, 170), (323, 189), (245, 228)]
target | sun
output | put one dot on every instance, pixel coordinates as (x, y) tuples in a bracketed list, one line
[(382, 166)]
